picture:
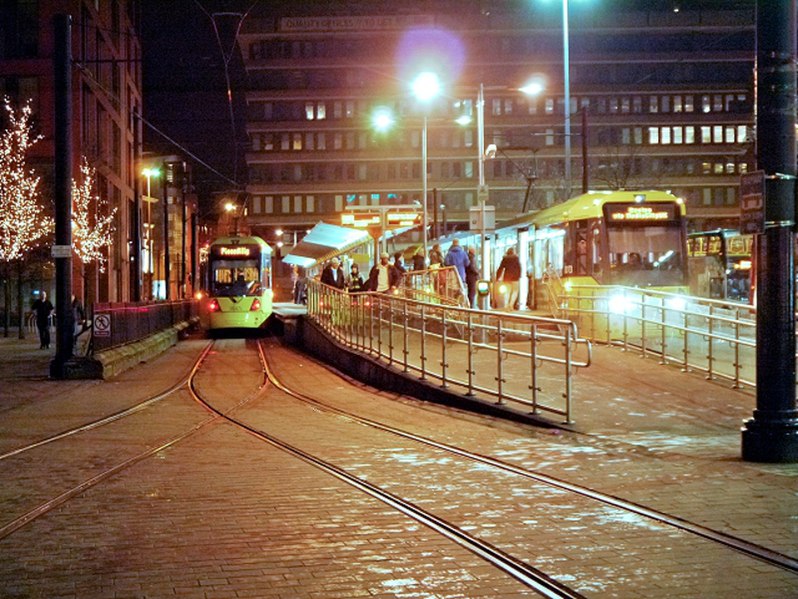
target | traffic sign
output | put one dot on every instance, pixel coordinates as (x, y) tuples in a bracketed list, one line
[(102, 325)]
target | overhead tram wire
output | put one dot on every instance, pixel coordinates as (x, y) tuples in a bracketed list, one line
[(80, 66)]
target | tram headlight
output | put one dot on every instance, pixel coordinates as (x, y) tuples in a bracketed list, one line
[(619, 304)]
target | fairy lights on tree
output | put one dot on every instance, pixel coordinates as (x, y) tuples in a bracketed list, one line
[(22, 218), (92, 229)]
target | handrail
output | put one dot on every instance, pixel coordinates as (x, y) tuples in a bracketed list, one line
[(510, 357)]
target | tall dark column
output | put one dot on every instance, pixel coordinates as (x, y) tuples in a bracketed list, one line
[(62, 251), (137, 270), (166, 275), (772, 434)]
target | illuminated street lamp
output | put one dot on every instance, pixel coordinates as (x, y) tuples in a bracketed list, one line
[(425, 87)]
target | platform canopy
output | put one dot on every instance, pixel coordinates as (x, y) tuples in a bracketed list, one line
[(324, 242)]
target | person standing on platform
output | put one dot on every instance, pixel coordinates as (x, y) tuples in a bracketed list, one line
[(354, 282), (301, 287), (419, 262), (43, 308), (509, 272), (399, 263), (457, 257), (78, 315), (436, 256), (472, 276), (384, 277), (333, 274)]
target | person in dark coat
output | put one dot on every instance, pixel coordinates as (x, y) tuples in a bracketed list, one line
[(42, 307), (384, 277), (354, 282), (435, 256), (301, 286), (333, 274), (457, 257), (399, 263), (78, 315), (472, 276), (419, 262), (509, 272)]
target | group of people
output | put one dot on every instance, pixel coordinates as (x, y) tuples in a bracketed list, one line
[(386, 274), (42, 309)]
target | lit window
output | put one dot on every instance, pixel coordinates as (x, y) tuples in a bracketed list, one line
[(321, 111), (706, 168), (666, 135), (729, 168), (706, 105), (677, 135), (613, 105), (549, 106), (653, 104), (689, 134), (742, 134), (469, 169), (297, 141), (625, 105), (688, 104), (310, 112), (626, 136), (717, 103), (706, 134), (638, 135), (677, 104), (717, 134), (743, 167), (729, 134), (717, 168), (653, 135)]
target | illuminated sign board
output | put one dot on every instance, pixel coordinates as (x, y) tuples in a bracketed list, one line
[(233, 251), (705, 245), (640, 213), (369, 219)]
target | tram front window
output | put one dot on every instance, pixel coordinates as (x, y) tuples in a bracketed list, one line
[(235, 278), (646, 256)]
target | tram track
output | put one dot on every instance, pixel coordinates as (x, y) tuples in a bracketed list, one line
[(732, 542)]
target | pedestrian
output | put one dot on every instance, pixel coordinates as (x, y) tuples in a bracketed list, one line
[(301, 287), (436, 256), (333, 274), (354, 282), (399, 263), (419, 262), (43, 309), (294, 279), (509, 272), (457, 257), (384, 277), (472, 276), (78, 315)]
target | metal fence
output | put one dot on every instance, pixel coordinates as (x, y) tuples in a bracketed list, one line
[(120, 323), (435, 286), (506, 356), (712, 336)]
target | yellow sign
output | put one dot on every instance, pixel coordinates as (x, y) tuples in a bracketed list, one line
[(234, 251)]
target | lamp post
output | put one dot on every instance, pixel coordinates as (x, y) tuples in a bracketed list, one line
[(566, 65), (149, 173), (425, 87)]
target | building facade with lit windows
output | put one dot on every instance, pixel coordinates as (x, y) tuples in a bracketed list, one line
[(106, 87), (667, 95)]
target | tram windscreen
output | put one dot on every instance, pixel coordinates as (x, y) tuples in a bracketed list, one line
[(646, 255), (231, 278)]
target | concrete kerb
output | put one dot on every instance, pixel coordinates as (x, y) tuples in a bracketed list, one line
[(118, 359), (303, 333)]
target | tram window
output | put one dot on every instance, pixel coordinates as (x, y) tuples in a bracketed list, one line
[(239, 277), (646, 255)]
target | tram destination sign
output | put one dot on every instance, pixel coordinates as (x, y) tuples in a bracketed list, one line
[(640, 213), (233, 251)]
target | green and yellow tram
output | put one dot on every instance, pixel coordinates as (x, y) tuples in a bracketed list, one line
[(239, 283)]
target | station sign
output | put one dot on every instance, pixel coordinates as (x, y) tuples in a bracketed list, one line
[(640, 213), (393, 220)]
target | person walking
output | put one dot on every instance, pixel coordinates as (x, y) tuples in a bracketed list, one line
[(472, 276), (333, 274), (399, 263), (509, 272), (457, 257), (354, 282), (384, 277), (43, 308)]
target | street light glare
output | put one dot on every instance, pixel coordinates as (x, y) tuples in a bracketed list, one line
[(151, 172), (229, 206), (532, 88), (463, 119), (426, 86), (382, 119)]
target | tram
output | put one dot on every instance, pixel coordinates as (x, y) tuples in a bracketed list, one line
[(629, 238), (239, 283), (720, 264)]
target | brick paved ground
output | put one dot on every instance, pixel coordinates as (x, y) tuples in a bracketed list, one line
[(224, 515)]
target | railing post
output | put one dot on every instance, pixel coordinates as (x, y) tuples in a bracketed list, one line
[(568, 381), (404, 335), (736, 384), (710, 355), (685, 348), (443, 347), (470, 363), (664, 319), (390, 331), (643, 325), (423, 344), (533, 366), (372, 301), (499, 369)]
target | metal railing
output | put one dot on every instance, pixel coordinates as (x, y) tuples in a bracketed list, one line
[(436, 286), (509, 357), (122, 323), (711, 336)]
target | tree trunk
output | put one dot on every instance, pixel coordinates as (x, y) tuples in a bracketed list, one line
[(7, 299), (20, 300)]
